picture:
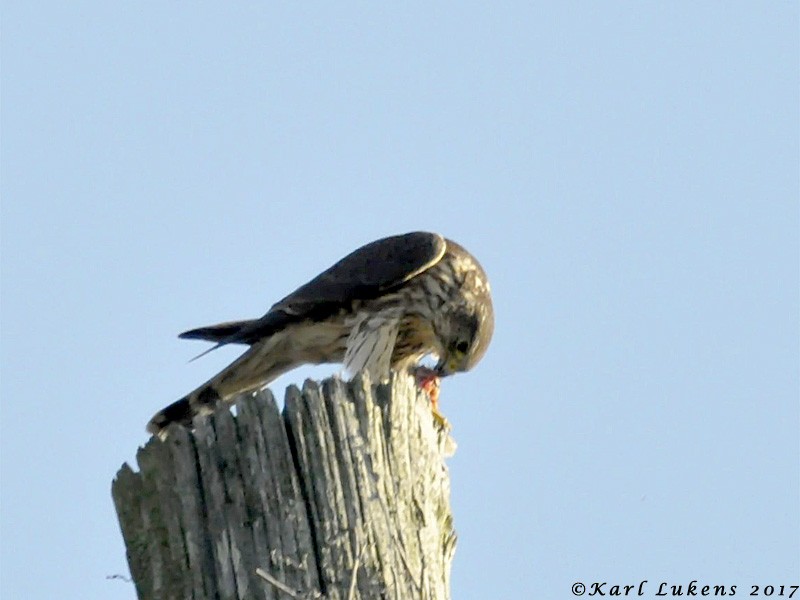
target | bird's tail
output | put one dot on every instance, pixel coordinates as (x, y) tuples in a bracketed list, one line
[(179, 412), (254, 369)]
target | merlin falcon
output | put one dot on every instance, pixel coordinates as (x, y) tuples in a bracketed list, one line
[(381, 308)]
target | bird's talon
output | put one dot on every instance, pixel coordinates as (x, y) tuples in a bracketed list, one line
[(440, 420)]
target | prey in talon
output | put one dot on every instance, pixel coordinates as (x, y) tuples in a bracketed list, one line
[(381, 308), (429, 380)]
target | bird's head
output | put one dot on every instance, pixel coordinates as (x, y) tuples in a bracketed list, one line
[(464, 335)]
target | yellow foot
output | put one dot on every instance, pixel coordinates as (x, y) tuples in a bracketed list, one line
[(439, 419)]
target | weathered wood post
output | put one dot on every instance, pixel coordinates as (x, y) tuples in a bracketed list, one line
[(344, 495)]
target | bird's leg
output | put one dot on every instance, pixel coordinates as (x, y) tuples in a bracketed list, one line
[(429, 381)]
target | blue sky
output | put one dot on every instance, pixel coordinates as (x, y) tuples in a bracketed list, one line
[(627, 173)]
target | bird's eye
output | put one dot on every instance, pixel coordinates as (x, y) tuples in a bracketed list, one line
[(462, 347)]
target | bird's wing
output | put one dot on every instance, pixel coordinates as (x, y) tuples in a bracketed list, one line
[(364, 274), (216, 333), (368, 272)]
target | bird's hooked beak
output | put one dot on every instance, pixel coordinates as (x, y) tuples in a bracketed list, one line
[(446, 366)]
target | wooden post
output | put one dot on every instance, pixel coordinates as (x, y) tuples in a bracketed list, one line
[(345, 495)]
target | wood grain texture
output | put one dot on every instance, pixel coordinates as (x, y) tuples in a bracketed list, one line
[(343, 495)]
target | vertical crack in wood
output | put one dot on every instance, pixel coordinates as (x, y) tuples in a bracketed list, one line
[(199, 554), (294, 434)]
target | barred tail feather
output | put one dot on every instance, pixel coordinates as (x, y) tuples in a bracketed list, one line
[(178, 412)]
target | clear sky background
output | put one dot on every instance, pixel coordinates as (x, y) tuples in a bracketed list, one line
[(626, 172)]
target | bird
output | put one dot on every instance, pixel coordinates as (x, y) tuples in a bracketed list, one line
[(382, 308)]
